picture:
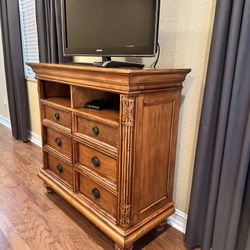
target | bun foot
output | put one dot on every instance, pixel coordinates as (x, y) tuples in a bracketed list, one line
[(49, 190), (161, 227), (117, 247)]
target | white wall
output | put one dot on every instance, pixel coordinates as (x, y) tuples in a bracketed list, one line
[(4, 109), (34, 108)]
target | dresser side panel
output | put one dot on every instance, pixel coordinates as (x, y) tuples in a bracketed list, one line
[(155, 148)]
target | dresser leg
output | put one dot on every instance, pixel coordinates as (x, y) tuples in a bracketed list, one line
[(49, 190), (117, 247), (162, 226)]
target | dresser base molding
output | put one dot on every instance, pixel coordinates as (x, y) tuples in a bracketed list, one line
[(117, 247), (49, 190), (162, 226), (123, 238)]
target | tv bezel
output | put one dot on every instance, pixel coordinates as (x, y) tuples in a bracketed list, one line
[(68, 52)]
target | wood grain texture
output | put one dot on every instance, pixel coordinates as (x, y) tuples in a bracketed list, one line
[(117, 247), (106, 200), (106, 134), (125, 81), (61, 169), (52, 139), (85, 95), (57, 116), (156, 126), (63, 102), (31, 219), (127, 135), (108, 116), (136, 137), (54, 90), (107, 165)]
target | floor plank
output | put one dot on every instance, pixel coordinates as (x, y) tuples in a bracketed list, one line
[(32, 219), (4, 243)]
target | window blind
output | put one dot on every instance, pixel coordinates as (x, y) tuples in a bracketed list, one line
[(29, 34)]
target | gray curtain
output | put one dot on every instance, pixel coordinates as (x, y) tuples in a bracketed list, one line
[(14, 69), (219, 214), (48, 14)]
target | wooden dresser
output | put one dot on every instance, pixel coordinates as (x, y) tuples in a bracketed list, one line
[(116, 166)]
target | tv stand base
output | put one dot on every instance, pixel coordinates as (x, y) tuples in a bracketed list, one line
[(114, 64), (108, 63)]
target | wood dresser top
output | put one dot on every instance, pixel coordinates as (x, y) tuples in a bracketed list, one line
[(125, 71), (120, 80)]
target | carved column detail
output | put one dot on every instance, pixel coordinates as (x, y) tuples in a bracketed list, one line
[(127, 127)]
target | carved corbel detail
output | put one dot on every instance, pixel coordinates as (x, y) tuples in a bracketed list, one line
[(127, 127)]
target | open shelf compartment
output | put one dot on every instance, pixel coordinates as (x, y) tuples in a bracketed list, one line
[(56, 93), (81, 96)]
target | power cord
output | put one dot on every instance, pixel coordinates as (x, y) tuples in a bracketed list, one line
[(154, 64)]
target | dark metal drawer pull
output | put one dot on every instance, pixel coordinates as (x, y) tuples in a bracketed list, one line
[(59, 168), (57, 116), (96, 161), (96, 193), (58, 142), (95, 130)]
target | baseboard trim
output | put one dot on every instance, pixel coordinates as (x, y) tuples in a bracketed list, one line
[(35, 138), (178, 220), (5, 121)]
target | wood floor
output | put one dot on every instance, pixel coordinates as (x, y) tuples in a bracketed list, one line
[(32, 219)]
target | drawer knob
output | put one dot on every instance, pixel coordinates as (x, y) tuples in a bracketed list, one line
[(57, 116), (58, 142), (96, 193), (95, 130), (59, 168), (96, 161)]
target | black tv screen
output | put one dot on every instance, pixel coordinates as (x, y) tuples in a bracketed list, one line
[(110, 27)]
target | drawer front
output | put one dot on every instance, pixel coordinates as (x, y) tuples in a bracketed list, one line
[(97, 131), (98, 195), (59, 142), (61, 169), (97, 161), (58, 116)]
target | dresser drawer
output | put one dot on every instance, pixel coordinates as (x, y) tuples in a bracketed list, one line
[(97, 131), (98, 195), (97, 161), (59, 142), (58, 116), (60, 168)]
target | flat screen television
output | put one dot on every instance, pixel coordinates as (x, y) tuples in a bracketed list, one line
[(110, 27)]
